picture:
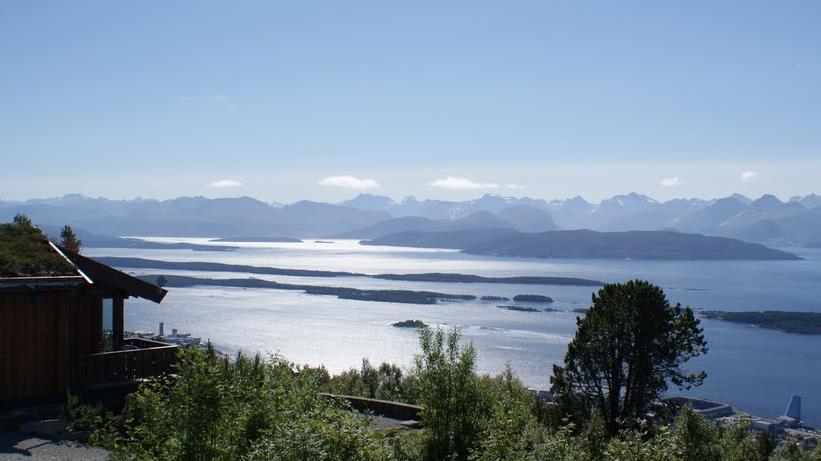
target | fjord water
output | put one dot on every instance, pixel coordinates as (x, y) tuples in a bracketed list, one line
[(754, 369)]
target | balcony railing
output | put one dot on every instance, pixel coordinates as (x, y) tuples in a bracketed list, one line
[(139, 358)]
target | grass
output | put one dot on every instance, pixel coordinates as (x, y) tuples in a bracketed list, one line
[(24, 252)]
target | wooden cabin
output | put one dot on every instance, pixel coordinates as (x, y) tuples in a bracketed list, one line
[(62, 329)]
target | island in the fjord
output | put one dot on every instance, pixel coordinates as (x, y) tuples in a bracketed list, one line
[(410, 324), (468, 278), (140, 263), (807, 323), (533, 299), (525, 308), (256, 239), (495, 298), (388, 296), (587, 244)]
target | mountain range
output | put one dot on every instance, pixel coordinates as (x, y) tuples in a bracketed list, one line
[(764, 220)]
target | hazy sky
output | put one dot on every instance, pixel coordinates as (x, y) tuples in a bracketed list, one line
[(322, 100)]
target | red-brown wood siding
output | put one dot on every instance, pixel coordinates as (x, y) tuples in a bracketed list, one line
[(33, 343)]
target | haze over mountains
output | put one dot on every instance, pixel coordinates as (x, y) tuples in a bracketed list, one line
[(765, 220)]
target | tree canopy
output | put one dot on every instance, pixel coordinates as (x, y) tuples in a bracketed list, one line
[(627, 348), (70, 240)]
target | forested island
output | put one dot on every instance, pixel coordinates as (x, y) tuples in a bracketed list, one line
[(390, 296), (524, 308), (587, 244), (806, 323), (141, 263), (467, 278), (410, 324), (533, 299), (495, 298)]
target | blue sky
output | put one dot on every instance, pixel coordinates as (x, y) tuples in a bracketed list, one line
[(322, 100)]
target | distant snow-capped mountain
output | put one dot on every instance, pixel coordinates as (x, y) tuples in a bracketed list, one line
[(764, 220)]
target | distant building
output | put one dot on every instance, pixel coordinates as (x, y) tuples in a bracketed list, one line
[(794, 408), (766, 425), (707, 408)]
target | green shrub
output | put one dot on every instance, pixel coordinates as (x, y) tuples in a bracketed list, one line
[(253, 409), (249, 408)]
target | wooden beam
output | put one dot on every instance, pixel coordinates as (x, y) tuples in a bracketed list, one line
[(119, 323)]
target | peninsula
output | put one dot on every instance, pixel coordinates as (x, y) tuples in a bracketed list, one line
[(140, 263), (587, 244), (806, 323), (257, 239)]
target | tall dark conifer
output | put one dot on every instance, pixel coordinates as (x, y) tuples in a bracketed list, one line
[(70, 240), (627, 348)]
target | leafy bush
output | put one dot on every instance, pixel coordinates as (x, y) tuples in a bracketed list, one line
[(248, 408), (387, 382), (253, 409)]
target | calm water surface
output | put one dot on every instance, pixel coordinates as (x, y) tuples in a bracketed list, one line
[(755, 370)]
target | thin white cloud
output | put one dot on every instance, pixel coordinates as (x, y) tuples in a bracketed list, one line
[(672, 181), (749, 176), (453, 182), (515, 187), (223, 183), (349, 182)]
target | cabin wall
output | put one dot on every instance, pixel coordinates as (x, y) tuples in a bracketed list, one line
[(34, 343), (85, 325)]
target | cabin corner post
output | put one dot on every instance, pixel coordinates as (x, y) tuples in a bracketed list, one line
[(118, 322)]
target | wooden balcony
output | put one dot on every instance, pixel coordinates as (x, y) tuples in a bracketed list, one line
[(139, 358)]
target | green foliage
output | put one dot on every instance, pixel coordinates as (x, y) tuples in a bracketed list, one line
[(510, 430), (449, 393), (789, 451), (22, 220), (216, 409), (626, 349), (253, 409), (696, 437), (24, 251), (636, 446), (84, 417), (737, 445), (70, 240), (386, 382), (765, 443)]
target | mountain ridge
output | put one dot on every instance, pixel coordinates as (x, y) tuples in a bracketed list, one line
[(766, 219)]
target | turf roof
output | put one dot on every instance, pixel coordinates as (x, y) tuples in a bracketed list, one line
[(25, 252)]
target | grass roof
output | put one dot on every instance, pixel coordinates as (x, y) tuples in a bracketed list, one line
[(25, 252)]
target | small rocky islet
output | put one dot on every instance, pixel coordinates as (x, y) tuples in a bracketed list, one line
[(410, 324)]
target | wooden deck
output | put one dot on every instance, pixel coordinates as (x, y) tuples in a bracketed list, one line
[(140, 358)]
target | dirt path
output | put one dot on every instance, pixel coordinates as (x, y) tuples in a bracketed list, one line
[(16, 446)]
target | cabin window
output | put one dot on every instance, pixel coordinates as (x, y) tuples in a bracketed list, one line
[(108, 324)]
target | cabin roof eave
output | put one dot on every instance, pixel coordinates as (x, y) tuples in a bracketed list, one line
[(41, 283), (96, 272)]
